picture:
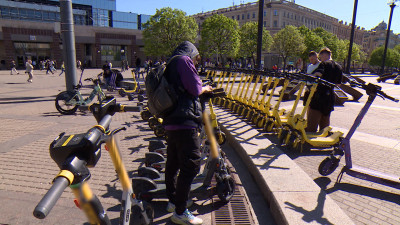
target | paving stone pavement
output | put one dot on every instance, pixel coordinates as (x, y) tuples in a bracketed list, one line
[(30, 123)]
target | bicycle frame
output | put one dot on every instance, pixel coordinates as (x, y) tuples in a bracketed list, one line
[(97, 91)]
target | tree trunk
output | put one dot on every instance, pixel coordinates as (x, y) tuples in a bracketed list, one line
[(284, 63)]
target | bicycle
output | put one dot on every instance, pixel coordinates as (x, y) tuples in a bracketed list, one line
[(75, 153), (67, 102)]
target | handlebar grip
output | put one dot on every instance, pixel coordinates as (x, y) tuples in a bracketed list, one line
[(48, 201), (127, 108)]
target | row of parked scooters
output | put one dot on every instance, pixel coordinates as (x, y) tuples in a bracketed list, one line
[(260, 110), (290, 126)]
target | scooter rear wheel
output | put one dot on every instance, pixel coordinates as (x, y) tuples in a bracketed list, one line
[(121, 93), (221, 138), (328, 165), (226, 188), (137, 216), (145, 115)]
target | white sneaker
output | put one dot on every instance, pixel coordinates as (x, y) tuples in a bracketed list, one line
[(186, 218), (171, 206)]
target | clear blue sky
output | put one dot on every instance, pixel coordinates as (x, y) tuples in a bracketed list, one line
[(369, 12)]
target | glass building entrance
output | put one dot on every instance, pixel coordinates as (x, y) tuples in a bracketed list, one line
[(34, 51)]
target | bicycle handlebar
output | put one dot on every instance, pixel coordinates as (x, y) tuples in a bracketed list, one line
[(48, 201)]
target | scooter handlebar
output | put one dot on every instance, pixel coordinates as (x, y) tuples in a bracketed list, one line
[(48, 201), (128, 108), (383, 94)]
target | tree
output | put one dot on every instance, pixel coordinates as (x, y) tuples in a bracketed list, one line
[(248, 40), (391, 60), (166, 29), (219, 36), (288, 42), (312, 42), (330, 40)]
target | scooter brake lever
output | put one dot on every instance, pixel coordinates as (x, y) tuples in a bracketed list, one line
[(118, 130)]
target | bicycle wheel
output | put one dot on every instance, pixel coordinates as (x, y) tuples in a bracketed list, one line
[(66, 102)]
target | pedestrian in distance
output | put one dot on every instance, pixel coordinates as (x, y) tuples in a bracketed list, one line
[(182, 126), (313, 57), (29, 70), (13, 67), (62, 68), (49, 67), (323, 100)]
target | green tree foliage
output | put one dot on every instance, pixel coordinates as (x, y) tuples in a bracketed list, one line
[(219, 36), (391, 60), (248, 40), (311, 40), (288, 42), (330, 40), (357, 55), (166, 29)]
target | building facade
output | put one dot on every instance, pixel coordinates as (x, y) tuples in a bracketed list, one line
[(31, 29), (376, 37), (280, 13)]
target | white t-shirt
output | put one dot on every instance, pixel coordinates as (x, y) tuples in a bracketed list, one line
[(312, 67)]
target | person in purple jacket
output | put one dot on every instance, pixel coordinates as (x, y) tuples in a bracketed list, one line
[(182, 126)]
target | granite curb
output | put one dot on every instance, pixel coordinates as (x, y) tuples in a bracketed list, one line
[(294, 198)]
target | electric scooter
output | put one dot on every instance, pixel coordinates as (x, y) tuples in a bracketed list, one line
[(75, 153), (329, 164)]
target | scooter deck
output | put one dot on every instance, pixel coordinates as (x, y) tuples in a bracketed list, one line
[(372, 175), (325, 141)]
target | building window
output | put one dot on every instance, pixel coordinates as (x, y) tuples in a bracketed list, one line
[(233, 17), (265, 23), (265, 13), (254, 15), (275, 12), (238, 17), (110, 52), (275, 23), (248, 15), (242, 16)]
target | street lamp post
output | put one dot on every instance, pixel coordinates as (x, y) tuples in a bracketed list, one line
[(353, 25), (260, 32), (392, 4)]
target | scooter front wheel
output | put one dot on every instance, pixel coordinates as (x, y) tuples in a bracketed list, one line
[(328, 165), (226, 188), (137, 216), (66, 102)]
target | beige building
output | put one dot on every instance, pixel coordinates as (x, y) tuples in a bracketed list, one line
[(376, 37), (280, 13)]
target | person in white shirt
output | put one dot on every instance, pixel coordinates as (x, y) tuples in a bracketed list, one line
[(313, 57)]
